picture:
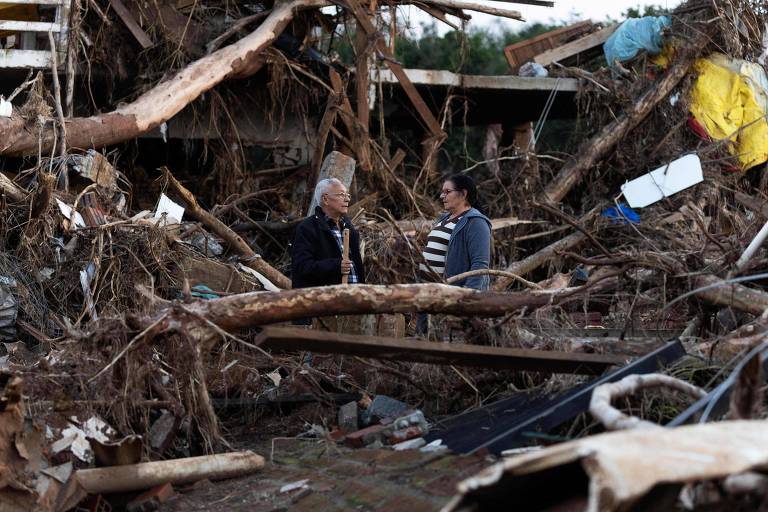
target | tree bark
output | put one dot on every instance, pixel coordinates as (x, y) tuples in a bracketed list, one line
[(598, 146), (164, 101), (245, 310), (537, 259), (10, 189), (731, 295), (600, 404)]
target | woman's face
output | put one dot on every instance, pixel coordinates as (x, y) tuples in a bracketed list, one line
[(452, 198)]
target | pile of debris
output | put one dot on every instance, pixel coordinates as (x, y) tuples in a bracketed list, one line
[(142, 330)]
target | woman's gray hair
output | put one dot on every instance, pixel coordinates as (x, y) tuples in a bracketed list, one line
[(324, 187)]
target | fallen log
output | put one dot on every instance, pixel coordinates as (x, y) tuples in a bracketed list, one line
[(599, 145), (246, 310), (158, 105), (135, 477), (538, 259), (735, 296), (250, 258)]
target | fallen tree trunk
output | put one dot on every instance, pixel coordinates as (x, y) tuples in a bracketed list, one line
[(731, 295), (537, 259), (245, 310), (599, 145), (164, 101), (135, 477)]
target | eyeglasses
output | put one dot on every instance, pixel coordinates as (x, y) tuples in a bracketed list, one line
[(446, 192), (343, 195)]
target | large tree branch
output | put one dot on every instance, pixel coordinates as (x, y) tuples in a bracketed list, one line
[(164, 101), (246, 310)]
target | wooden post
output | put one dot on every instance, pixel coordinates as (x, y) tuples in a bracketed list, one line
[(362, 81), (345, 255)]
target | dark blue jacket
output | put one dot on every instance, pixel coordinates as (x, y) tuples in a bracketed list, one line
[(316, 257), (469, 249)]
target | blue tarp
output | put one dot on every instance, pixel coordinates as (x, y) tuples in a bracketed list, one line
[(622, 214), (634, 35)]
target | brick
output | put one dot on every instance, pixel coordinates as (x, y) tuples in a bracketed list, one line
[(151, 499), (365, 436)]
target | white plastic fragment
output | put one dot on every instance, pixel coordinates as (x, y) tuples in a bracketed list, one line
[(266, 283), (173, 211), (300, 484), (66, 211), (75, 438), (435, 446), (410, 444), (6, 108), (663, 182)]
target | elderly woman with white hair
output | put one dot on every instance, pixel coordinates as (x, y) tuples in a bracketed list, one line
[(318, 244)]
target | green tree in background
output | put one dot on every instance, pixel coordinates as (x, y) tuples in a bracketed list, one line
[(476, 52)]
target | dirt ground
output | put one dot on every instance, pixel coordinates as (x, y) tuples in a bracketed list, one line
[(337, 478)]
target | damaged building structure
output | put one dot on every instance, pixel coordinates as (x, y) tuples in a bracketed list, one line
[(157, 156)]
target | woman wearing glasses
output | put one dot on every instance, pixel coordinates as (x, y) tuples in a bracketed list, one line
[(460, 240), (318, 244)]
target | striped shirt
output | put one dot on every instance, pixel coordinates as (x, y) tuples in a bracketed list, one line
[(338, 235), (437, 248)]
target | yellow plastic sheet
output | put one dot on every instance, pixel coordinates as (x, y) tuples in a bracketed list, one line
[(729, 102)]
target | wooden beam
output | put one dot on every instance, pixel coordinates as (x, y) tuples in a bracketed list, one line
[(477, 7), (362, 81), (397, 69), (575, 47), (436, 13), (284, 339), (127, 18), (29, 26)]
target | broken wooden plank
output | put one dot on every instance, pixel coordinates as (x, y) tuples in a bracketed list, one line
[(289, 339), (34, 2), (519, 53), (437, 14), (477, 7), (29, 26), (362, 82), (410, 90), (129, 21), (575, 47), (12, 58)]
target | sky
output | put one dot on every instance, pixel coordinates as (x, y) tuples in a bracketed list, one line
[(574, 10)]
